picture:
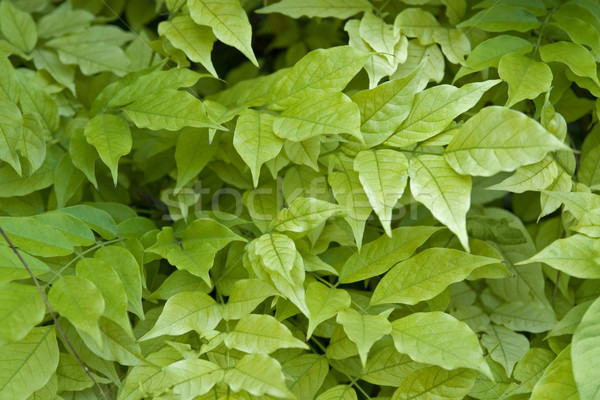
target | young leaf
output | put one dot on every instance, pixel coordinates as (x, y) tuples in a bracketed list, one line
[(557, 381), (304, 214), (193, 377), (324, 303), (526, 78), (444, 192), (498, 139), (111, 137), (305, 374), (505, 346), (383, 174), (383, 253), (501, 18), (17, 27), (21, 309), (387, 367), (339, 392), (584, 352), (255, 140), (245, 296), (11, 129), (426, 275), (318, 8), (35, 237), (228, 21), (524, 316), (532, 177), (261, 334), (567, 53), (363, 330), (418, 336), (192, 152), (433, 381), (11, 267), (258, 374)]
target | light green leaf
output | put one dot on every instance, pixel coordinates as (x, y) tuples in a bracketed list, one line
[(111, 137), (185, 312), (570, 321), (62, 21), (255, 140), (228, 21), (418, 335), (383, 175), (320, 70), (502, 18), (305, 152), (383, 108), (196, 251), (435, 108), (11, 267), (274, 259), (17, 27), (505, 346), (498, 139), (169, 109), (258, 374), (526, 78), (305, 374), (378, 256), (419, 23), (444, 192), (316, 115), (245, 296), (35, 237), (193, 377), (576, 256), (558, 382), (97, 219), (584, 352), (80, 301), (196, 41), (21, 308), (363, 330), (454, 43), (435, 382), (304, 214), (26, 366), (339, 392), (532, 177), (522, 316), (32, 144), (426, 275), (576, 57), (530, 369), (261, 334), (11, 130), (70, 375), (324, 303), (192, 152), (341, 9), (387, 367), (34, 100), (8, 80), (106, 279), (49, 61)]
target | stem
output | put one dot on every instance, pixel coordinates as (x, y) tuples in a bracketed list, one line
[(52, 313)]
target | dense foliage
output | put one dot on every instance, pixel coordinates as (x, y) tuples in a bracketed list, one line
[(311, 199)]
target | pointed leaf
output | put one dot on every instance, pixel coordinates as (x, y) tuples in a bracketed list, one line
[(245, 296), (11, 129), (305, 374), (193, 377), (576, 57), (585, 353), (505, 346), (35, 237), (258, 374), (318, 8), (21, 308), (339, 392), (324, 303), (304, 214), (435, 382), (193, 151), (557, 381), (526, 78), (363, 330), (17, 27)]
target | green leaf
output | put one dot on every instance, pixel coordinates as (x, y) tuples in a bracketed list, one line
[(378, 256), (524, 316), (502, 18), (245, 296), (258, 374), (169, 109), (11, 130), (435, 382), (385, 107), (416, 22), (21, 308), (196, 251), (526, 78), (498, 139), (383, 175), (576, 57), (363, 330), (418, 335), (304, 214), (17, 27), (11, 267), (80, 301), (530, 369), (575, 255), (261, 334), (255, 141), (434, 109), (557, 382), (339, 392), (532, 177), (70, 375), (111, 137), (324, 303), (35, 237), (444, 192), (318, 8), (426, 275), (196, 41), (320, 70), (185, 312), (305, 374), (228, 21), (316, 115), (387, 367), (505, 346), (27, 365), (584, 352), (97, 219), (193, 377), (193, 151)]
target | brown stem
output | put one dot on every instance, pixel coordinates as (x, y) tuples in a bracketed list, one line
[(52, 313)]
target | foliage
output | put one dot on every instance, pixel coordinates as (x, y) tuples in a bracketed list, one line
[(316, 199)]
